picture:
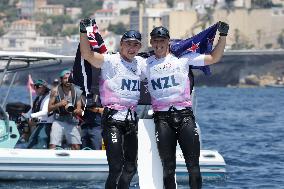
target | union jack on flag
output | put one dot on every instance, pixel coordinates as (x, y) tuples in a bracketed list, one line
[(201, 43)]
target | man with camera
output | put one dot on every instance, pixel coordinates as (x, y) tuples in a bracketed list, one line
[(63, 102)]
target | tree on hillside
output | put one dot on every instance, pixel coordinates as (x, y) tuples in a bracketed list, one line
[(170, 3), (9, 8), (40, 16), (53, 26), (70, 31), (2, 32), (61, 19), (118, 28), (90, 8)]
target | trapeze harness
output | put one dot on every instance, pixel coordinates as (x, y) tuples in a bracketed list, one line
[(120, 91), (173, 117)]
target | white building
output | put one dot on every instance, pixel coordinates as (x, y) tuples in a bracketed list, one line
[(22, 36)]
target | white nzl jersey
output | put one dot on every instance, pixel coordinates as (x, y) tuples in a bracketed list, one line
[(168, 81), (120, 82)]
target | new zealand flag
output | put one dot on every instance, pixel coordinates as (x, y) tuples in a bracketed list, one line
[(201, 43)]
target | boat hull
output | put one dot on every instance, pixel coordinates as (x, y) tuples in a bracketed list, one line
[(30, 164)]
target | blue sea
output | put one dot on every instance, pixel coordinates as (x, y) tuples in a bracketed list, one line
[(246, 125)]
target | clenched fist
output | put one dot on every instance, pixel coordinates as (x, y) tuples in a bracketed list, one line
[(223, 28)]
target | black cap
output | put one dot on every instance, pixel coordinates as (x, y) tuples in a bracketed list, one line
[(131, 35), (160, 32)]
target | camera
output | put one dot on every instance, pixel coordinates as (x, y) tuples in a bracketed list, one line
[(69, 107)]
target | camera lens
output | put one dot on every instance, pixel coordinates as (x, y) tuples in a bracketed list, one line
[(69, 107)]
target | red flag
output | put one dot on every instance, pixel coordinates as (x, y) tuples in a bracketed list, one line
[(30, 85)]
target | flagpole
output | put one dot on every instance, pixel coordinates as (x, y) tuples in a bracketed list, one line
[(31, 98), (30, 83)]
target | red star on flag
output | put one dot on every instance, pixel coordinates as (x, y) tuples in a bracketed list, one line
[(193, 47)]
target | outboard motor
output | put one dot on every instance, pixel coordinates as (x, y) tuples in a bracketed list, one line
[(15, 110)]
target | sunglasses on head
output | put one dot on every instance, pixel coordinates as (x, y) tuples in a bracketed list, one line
[(131, 34)]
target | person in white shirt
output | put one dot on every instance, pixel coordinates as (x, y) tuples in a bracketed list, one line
[(119, 92), (169, 87), (41, 134)]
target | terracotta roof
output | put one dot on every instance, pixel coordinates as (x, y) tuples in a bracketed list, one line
[(105, 10), (22, 21)]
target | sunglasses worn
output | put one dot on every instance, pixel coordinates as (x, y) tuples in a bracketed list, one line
[(131, 34), (38, 86)]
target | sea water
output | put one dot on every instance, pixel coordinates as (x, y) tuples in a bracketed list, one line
[(246, 125)]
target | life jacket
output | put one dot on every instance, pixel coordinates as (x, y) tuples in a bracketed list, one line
[(37, 102), (60, 96), (145, 98)]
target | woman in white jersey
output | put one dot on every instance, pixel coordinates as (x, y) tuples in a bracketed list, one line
[(119, 92), (169, 87)]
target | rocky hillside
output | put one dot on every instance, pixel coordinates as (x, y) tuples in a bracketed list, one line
[(249, 69)]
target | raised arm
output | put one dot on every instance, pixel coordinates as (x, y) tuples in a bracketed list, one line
[(94, 58), (218, 51)]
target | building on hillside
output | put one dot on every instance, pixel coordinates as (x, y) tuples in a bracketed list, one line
[(21, 34), (53, 10), (110, 13), (105, 17), (152, 18), (246, 28), (73, 12), (47, 44), (118, 5), (27, 8)]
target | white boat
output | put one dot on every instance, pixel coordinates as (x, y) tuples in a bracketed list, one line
[(31, 164), (42, 164), (275, 85)]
